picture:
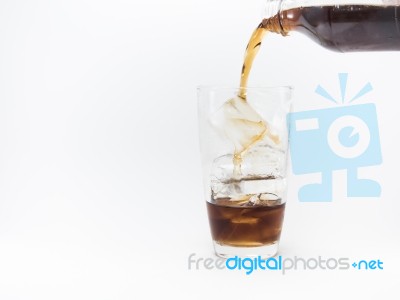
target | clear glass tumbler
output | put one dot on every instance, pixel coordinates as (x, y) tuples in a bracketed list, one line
[(244, 144)]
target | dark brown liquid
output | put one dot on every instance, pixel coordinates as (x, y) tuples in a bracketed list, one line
[(346, 28), (251, 51), (244, 226)]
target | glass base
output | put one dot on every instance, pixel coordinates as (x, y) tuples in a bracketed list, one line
[(264, 251)]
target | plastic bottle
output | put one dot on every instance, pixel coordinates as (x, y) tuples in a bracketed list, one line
[(341, 25)]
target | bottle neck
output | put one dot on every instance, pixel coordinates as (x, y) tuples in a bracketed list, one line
[(273, 24), (272, 19)]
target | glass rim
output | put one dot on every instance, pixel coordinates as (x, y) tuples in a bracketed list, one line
[(212, 87)]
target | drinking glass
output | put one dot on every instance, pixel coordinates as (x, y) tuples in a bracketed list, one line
[(243, 146)]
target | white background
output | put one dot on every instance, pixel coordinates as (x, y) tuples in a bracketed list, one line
[(100, 186)]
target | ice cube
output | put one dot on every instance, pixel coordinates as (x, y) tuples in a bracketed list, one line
[(264, 160), (267, 188), (261, 160), (229, 188), (254, 200), (240, 123), (263, 171), (224, 184), (222, 167), (266, 199)]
